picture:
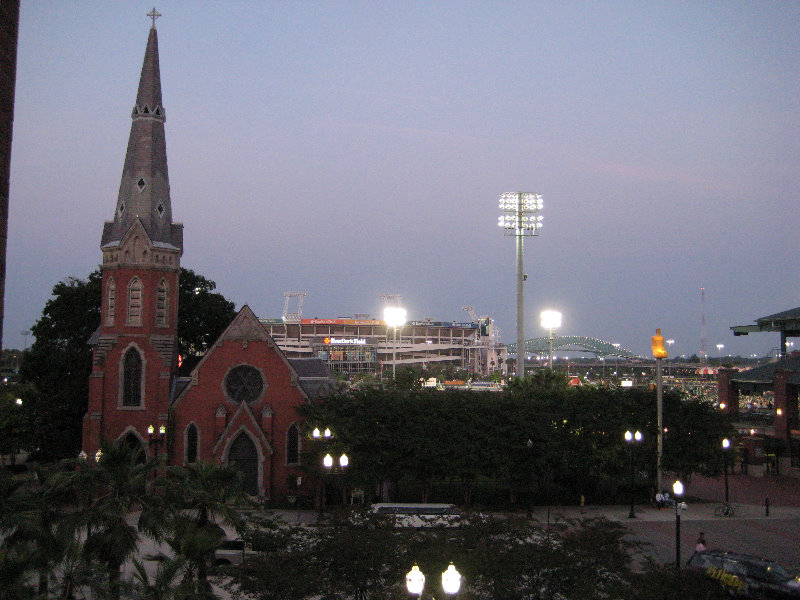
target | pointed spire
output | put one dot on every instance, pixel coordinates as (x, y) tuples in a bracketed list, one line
[(144, 188)]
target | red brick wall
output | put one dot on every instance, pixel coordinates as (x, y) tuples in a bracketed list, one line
[(201, 403)]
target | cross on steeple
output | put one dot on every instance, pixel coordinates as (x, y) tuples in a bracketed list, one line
[(154, 14)]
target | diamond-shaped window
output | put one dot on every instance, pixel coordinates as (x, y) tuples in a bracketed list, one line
[(121, 208), (141, 184), (160, 209)]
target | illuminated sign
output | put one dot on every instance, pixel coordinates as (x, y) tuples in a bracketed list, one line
[(334, 341)]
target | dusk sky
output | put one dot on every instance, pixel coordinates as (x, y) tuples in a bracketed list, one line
[(350, 149)]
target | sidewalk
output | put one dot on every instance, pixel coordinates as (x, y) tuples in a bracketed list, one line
[(696, 511), (781, 490)]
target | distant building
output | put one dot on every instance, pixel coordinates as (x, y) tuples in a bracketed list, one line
[(777, 439), (369, 346), (9, 29)]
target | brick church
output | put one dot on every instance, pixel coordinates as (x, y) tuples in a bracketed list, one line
[(238, 405)]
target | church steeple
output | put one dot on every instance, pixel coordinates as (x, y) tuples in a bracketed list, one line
[(144, 188)]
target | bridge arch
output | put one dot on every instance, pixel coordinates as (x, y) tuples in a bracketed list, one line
[(573, 343)]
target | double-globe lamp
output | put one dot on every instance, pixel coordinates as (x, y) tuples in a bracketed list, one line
[(451, 581)]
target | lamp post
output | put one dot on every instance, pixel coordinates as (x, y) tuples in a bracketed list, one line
[(395, 317), (669, 347), (659, 353), (415, 581), (521, 219), (551, 319), (330, 463), (632, 438), (719, 350), (726, 443), (677, 490), (156, 439), (451, 581)]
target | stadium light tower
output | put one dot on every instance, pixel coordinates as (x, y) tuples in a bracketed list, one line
[(521, 219)]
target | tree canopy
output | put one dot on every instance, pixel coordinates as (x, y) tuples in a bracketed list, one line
[(541, 440)]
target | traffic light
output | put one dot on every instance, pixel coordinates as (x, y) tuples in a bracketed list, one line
[(657, 342)]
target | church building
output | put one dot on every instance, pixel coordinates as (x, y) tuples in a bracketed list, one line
[(238, 406)]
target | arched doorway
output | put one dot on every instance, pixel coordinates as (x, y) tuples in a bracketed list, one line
[(244, 456), (135, 444)]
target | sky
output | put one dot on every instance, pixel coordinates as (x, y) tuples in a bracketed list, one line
[(350, 149)]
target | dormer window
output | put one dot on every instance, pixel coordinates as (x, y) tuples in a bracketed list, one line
[(146, 110), (158, 111)]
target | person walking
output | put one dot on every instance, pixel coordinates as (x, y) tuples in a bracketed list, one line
[(701, 543)]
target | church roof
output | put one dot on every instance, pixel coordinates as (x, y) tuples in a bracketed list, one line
[(144, 188)]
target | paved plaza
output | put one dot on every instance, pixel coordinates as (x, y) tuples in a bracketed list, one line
[(749, 530)]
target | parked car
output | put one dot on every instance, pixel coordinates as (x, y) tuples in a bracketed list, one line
[(231, 552), (745, 576)]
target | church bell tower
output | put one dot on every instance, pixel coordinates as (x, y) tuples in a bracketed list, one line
[(135, 348)]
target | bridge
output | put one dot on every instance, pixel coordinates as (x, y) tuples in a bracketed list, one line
[(573, 343)]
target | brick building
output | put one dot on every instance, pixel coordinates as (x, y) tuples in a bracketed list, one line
[(238, 405)]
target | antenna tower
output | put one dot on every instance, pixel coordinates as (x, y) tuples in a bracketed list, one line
[(703, 353)]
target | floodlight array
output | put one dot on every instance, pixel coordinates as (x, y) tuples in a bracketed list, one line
[(520, 212)]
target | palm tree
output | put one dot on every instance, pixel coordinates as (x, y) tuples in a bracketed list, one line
[(201, 497), (105, 494)]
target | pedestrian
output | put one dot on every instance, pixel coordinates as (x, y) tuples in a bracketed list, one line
[(701, 543), (659, 500)]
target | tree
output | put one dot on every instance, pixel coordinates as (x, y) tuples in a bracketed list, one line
[(58, 365), (200, 497), (59, 362), (202, 317), (105, 492)]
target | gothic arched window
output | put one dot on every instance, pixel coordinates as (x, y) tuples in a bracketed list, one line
[(111, 301), (135, 302), (132, 379), (293, 445), (191, 443), (162, 304)]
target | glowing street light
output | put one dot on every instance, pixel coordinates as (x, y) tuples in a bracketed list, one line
[(395, 316), (551, 319), (520, 219), (451, 581), (630, 438)]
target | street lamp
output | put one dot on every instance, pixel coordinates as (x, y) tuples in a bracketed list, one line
[(669, 347), (677, 490), (551, 319), (726, 443), (659, 353), (415, 581), (156, 439), (521, 219), (395, 317), (719, 349), (632, 438), (451, 581)]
